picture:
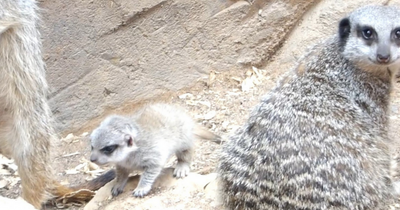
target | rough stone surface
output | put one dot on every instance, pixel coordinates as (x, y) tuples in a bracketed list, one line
[(102, 55)]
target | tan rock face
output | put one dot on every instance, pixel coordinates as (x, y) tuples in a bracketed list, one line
[(103, 54)]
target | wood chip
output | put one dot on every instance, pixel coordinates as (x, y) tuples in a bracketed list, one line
[(5, 172), (71, 154)]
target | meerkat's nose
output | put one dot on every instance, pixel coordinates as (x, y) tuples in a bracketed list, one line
[(383, 58), (93, 159)]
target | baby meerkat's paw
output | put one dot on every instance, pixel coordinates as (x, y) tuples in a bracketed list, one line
[(116, 190), (142, 191), (181, 170)]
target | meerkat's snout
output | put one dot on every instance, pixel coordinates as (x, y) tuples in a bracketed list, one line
[(383, 54), (93, 158), (104, 155), (383, 58)]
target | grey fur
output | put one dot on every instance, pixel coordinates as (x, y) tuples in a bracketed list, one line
[(157, 132), (319, 139)]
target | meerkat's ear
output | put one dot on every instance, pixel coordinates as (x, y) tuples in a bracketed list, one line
[(128, 139), (344, 30)]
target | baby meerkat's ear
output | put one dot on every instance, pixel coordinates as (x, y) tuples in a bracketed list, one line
[(129, 140)]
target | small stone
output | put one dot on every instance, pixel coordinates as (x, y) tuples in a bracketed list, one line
[(209, 115), (3, 183)]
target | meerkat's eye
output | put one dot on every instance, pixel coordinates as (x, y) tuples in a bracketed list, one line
[(368, 33), (397, 34), (109, 149)]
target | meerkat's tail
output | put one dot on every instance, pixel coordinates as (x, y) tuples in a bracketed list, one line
[(64, 195), (97, 182), (203, 133)]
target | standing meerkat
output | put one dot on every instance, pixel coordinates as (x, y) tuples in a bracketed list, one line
[(319, 139), (26, 130), (146, 141)]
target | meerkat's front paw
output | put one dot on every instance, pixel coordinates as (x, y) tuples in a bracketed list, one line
[(116, 190), (142, 191), (181, 170)]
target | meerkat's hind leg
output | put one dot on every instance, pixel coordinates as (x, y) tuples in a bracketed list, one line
[(183, 167)]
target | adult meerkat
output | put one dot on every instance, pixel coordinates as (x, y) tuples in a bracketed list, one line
[(146, 141), (319, 139), (25, 117)]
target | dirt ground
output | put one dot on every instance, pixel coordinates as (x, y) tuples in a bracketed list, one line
[(221, 103)]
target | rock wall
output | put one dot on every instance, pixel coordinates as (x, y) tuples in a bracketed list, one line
[(105, 54), (101, 55)]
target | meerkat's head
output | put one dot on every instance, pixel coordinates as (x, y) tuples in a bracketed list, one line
[(370, 37), (112, 141)]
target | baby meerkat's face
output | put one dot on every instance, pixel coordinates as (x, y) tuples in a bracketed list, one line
[(371, 37), (110, 146)]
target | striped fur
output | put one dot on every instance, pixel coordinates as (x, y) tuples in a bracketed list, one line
[(319, 139)]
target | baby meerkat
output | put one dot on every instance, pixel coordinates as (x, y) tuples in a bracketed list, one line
[(145, 141)]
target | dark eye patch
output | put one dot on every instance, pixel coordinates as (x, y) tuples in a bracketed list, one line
[(367, 33), (396, 35), (109, 149)]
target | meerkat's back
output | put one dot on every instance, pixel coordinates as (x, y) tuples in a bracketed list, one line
[(167, 122)]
